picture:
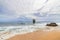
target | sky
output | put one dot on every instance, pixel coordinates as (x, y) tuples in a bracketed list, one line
[(11, 10)]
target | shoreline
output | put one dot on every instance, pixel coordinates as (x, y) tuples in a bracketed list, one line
[(38, 35), (13, 31)]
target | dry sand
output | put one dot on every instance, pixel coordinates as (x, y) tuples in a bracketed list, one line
[(38, 35)]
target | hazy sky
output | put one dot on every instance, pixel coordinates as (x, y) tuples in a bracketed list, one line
[(12, 9)]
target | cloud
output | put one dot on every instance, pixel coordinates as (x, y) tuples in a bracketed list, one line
[(6, 14), (13, 9), (24, 6)]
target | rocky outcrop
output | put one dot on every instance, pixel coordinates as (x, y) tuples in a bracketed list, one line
[(52, 24), (34, 21)]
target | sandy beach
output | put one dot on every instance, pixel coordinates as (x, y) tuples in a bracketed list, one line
[(38, 35)]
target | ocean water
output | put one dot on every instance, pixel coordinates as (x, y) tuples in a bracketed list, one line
[(21, 27)]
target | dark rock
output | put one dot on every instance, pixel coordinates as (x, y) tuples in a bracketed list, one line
[(34, 21), (52, 24)]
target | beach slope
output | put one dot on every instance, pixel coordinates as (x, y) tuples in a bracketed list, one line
[(38, 35)]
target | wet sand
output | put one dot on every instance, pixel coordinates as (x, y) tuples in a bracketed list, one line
[(38, 35)]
